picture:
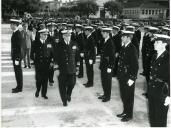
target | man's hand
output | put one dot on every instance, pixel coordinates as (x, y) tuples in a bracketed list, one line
[(90, 61), (116, 55), (16, 62), (51, 64), (109, 70), (82, 54), (167, 101), (130, 82)]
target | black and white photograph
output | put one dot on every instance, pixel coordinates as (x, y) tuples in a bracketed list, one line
[(85, 63)]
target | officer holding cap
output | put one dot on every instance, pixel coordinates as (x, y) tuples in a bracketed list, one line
[(127, 74), (16, 55), (159, 83), (65, 59), (43, 56), (106, 64)]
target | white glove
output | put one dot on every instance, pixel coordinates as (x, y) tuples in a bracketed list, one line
[(82, 54), (109, 70), (16, 62), (167, 101), (130, 82), (90, 61), (51, 64), (55, 66), (117, 54)]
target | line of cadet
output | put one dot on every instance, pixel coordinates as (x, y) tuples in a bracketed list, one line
[(64, 46)]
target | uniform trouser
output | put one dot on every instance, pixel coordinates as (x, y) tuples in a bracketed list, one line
[(42, 80), (27, 56), (18, 75), (115, 66), (51, 74), (127, 96), (66, 85), (89, 71), (81, 69), (106, 79), (157, 110)]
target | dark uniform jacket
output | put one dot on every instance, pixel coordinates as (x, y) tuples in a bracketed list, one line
[(128, 63), (43, 53), (80, 42), (65, 57), (16, 42), (117, 42), (107, 55), (160, 75), (138, 35), (90, 52)]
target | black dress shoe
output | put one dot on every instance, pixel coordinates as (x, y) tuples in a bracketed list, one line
[(25, 66), (105, 99), (101, 97), (88, 85), (69, 98), (37, 94), (65, 104), (146, 95), (121, 115), (80, 76), (45, 97), (126, 119), (16, 90), (85, 84), (29, 67)]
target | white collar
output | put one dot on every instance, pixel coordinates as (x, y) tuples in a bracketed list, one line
[(15, 30), (107, 39), (42, 41), (67, 42), (127, 43), (79, 32), (89, 35), (159, 53)]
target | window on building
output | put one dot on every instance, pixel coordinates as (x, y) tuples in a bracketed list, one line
[(149, 12), (152, 12), (156, 12), (146, 12), (143, 12)]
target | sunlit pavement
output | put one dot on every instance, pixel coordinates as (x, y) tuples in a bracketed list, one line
[(84, 110)]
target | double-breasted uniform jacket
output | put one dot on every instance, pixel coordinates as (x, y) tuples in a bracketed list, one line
[(43, 54), (80, 42), (117, 42), (65, 57), (138, 35), (159, 82), (90, 52), (128, 63), (16, 44), (107, 55)]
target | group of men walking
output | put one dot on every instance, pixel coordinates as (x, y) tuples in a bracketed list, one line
[(65, 46)]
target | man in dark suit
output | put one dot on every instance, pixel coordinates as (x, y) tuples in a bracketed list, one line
[(116, 38), (53, 38), (90, 55), (127, 74), (159, 83), (16, 55), (81, 44), (43, 56), (106, 64), (65, 59)]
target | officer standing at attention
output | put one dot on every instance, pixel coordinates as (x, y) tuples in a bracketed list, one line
[(81, 44), (65, 59), (90, 55), (106, 64), (159, 83), (43, 56), (16, 55), (127, 74), (52, 37)]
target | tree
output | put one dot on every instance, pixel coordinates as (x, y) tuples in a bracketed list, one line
[(87, 7), (115, 8), (21, 6)]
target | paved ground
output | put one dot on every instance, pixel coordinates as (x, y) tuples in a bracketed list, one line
[(85, 110)]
